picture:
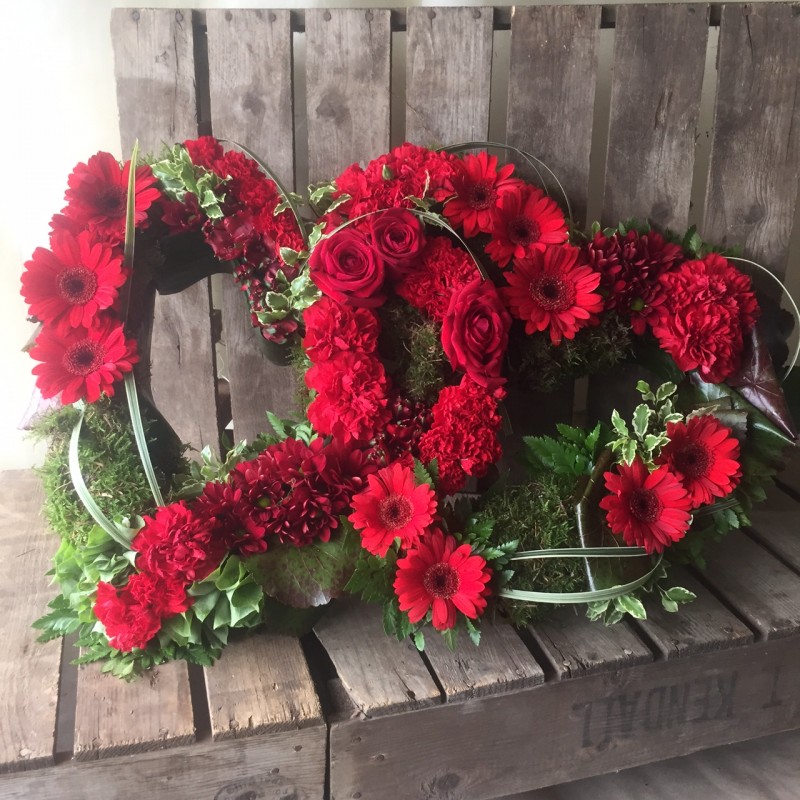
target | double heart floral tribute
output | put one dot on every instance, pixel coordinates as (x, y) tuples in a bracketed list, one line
[(429, 288)]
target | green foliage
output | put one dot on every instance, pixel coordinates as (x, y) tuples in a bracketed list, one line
[(573, 455), (288, 296), (178, 175), (372, 577)]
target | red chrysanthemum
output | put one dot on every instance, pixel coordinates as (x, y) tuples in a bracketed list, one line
[(84, 362), (98, 193), (648, 509), (524, 222), (234, 524), (70, 283), (704, 455), (553, 290), (392, 506), (479, 186), (129, 624), (440, 576), (332, 328)]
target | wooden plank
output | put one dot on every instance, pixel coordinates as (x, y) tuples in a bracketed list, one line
[(381, 675), (566, 730), (154, 67), (776, 525), (755, 152), (501, 663), (702, 626), (28, 671), (250, 83), (655, 105), (261, 684), (551, 92), (764, 592), (789, 479), (577, 647), (447, 98), (348, 86), (114, 718)]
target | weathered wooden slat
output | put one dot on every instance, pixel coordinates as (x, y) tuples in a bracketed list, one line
[(29, 672), (755, 152), (114, 718), (261, 684), (764, 592), (381, 675), (776, 525), (447, 98), (154, 66), (348, 86), (789, 479), (501, 663), (577, 647), (655, 105), (702, 626), (551, 91)]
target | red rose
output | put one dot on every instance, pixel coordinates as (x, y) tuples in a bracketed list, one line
[(475, 332), (398, 237), (347, 268)]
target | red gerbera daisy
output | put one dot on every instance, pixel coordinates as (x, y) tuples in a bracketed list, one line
[(98, 193), (553, 290), (439, 575), (392, 506), (526, 220), (69, 284), (479, 185), (83, 363), (649, 509), (704, 454)]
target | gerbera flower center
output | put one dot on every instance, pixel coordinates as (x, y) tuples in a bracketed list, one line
[(645, 505), (553, 293), (481, 195), (441, 581), (395, 511), (77, 285), (83, 357), (523, 231), (111, 201), (693, 460)]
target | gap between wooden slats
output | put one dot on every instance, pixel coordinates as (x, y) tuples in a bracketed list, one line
[(29, 672)]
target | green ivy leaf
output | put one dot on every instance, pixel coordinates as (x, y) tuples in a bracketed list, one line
[(641, 420), (631, 605), (619, 424), (680, 595), (669, 605)]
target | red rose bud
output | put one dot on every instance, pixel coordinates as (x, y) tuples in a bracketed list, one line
[(346, 267), (475, 332), (398, 237)]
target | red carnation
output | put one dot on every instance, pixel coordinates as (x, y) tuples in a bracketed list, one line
[(479, 187), (704, 455), (128, 623), (553, 290), (98, 195), (332, 328), (204, 151), (392, 506), (526, 220), (82, 363), (70, 283), (648, 509), (398, 237), (475, 333), (163, 596), (440, 576)]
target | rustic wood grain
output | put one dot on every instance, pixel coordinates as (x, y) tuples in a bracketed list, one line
[(776, 525), (114, 718), (261, 684), (551, 92), (755, 152), (348, 86), (154, 66), (764, 592), (448, 75), (789, 479), (655, 105), (576, 647), (501, 663), (381, 675), (28, 671)]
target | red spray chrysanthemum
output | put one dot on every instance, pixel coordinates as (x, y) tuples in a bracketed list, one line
[(553, 290), (524, 222), (439, 576), (74, 280), (704, 455), (84, 362), (648, 509), (98, 194), (478, 185), (391, 507), (129, 624), (231, 511)]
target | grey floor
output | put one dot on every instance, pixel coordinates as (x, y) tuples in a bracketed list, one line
[(764, 769)]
